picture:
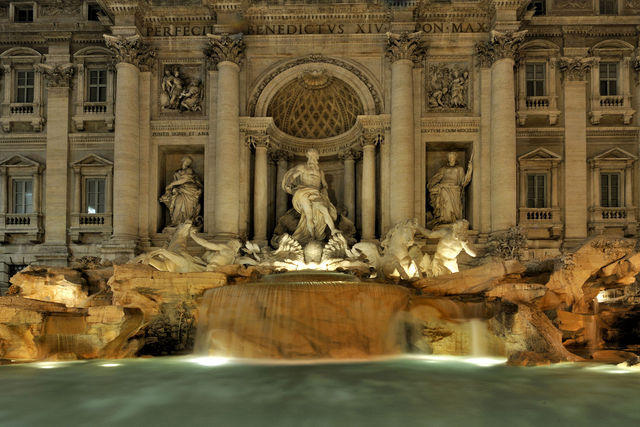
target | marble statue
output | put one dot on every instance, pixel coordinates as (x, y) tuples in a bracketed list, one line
[(174, 258), (217, 254), (307, 184), (182, 195), (452, 241), (190, 98), (446, 188)]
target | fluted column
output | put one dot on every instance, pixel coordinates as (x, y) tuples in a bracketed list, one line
[(575, 72), (369, 142), (348, 157), (260, 143), (501, 51), (58, 84), (402, 50), (281, 158), (131, 54), (226, 53)]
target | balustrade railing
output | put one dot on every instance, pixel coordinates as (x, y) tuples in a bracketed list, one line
[(17, 220), (537, 102), (17, 109), (537, 214), (94, 108), (612, 101), (614, 213)]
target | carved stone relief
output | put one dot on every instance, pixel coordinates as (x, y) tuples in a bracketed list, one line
[(448, 87), (61, 7), (181, 88)]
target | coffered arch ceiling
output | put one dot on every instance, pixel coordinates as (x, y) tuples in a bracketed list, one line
[(315, 105)]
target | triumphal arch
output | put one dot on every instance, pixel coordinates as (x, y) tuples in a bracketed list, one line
[(122, 119)]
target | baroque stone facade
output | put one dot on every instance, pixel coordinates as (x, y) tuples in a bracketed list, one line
[(101, 102)]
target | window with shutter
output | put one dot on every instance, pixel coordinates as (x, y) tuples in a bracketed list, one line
[(536, 190), (610, 190)]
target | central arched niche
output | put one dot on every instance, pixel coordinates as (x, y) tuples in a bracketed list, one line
[(315, 105)]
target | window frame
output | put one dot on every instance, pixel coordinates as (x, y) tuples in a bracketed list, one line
[(87, 60), (619, 175), (607, 79), (86, 193), (104, 85), (614, 12), (545, 196), (537, 11), (13, 204), (16, 6), (534, 80)]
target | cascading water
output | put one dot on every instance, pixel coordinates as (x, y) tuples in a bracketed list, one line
[(305, 315)]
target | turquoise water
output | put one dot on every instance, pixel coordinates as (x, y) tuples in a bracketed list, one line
[(399, 392)]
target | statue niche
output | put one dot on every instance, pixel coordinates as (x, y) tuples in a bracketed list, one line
[(446, 190), (182, 195)]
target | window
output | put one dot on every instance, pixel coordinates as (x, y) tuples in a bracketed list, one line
[(610, 190), (608, 7), (535, 74), (23, 13), (608, 78), (24, 86), (540, 7), (93, 10), (22, 196), (97, 85), (95, 195), (536, 190)]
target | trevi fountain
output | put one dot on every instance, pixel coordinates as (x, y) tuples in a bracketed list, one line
[(319, 212)]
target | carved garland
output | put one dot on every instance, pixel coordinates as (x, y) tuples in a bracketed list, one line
[(312, 59)]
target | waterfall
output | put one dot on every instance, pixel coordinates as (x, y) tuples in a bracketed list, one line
[(478, 334), (303, 315)]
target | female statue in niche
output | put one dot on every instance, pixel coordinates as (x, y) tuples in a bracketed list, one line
[(182, 195), (307, 184), (446, 189)]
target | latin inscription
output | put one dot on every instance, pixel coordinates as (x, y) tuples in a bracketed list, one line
[(312, 28)]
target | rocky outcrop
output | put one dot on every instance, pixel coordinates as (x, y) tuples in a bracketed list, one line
[(55, 284), (38, 330)]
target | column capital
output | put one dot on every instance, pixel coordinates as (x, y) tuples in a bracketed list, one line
[(58, 75), (349, 154), (371, 137), (502, 45), (405, 46), (279, 154), (575, 69), (258, 140), (225, 47), (132, 50)]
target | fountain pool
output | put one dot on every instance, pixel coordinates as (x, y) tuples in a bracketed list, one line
[(404, 391)]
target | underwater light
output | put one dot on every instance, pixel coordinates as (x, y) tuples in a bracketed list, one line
[(210, 360), (110, 365), (48, 365), (485, 361)]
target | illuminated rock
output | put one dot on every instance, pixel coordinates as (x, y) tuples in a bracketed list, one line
[(54, 284)]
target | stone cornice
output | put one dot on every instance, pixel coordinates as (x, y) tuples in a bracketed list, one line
[(131, 50), (405, 46), (575, 69), (457, 125), (224, 48), (57, 75)]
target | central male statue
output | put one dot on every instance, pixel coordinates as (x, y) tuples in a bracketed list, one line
[(310, 199)]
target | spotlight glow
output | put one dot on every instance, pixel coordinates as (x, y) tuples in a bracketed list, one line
[(210, 361), (111, 365)]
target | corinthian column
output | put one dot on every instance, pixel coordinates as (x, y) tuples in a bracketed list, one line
[(501, 51), (226, 53), (575, 71), (58, 84), (260, 188), (130, 54), (369, 142), (281, 158), (349, 156), (402, 50)]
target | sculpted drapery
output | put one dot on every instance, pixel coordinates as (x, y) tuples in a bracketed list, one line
[(307, 184), (446, 189), (182, 195)]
